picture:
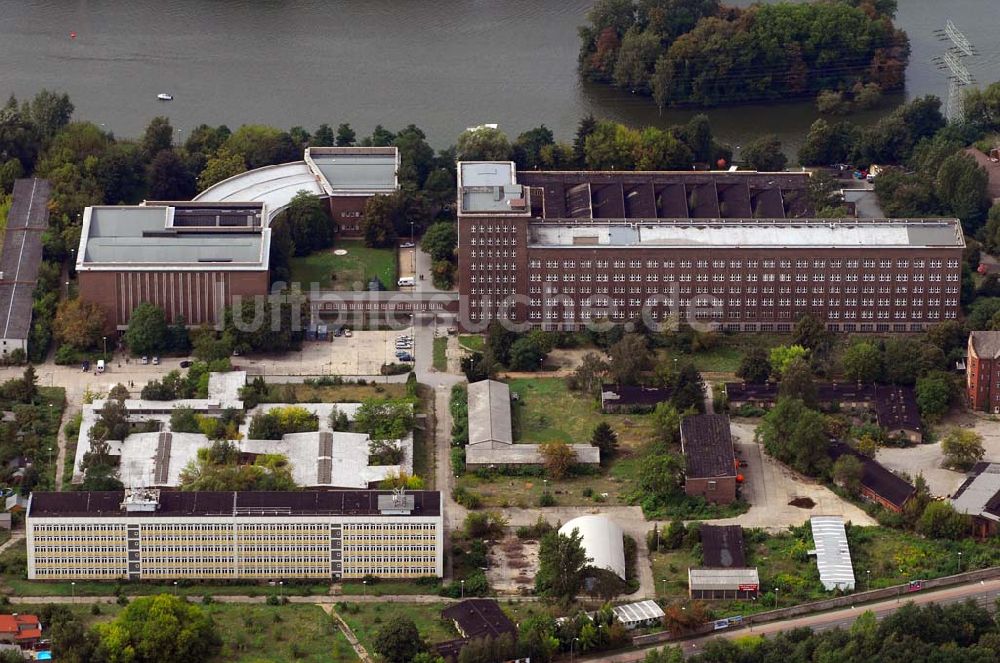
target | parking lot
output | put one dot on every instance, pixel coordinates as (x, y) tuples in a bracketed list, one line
[(364, 352)]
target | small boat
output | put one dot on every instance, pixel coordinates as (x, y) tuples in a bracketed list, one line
[(163, 96)]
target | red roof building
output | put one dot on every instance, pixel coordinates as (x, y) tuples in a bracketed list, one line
[(23, 630)]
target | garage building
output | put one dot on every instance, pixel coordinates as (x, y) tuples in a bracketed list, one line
[(707, 445), (712, 584)]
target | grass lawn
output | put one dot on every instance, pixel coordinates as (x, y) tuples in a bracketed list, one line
[(338, 393), (892, 556), (347, 272), (365, 619), (71, 430), (440, 353), (547, 410), (474, 343), (276, 634), (388, 588)]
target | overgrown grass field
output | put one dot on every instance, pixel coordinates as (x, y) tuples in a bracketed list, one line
[(347, 272)]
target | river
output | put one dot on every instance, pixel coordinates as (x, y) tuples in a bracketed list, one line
[(442, 65)]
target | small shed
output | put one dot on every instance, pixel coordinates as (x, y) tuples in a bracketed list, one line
[(709, 584)]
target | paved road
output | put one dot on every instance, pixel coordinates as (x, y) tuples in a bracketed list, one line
[(984, 593)]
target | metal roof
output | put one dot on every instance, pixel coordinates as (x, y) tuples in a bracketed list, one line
[(602, 540), (985, 343), (707, 445), (638, 612), (489, 413), (833, 555), (275, 186), (355, 170), (722, 578), (22, 255), (980, 494), (750, 233), (142, 237)]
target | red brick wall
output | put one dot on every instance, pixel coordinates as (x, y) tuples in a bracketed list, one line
[(982, 376), (724, 490), (346, 212), (198, 296)]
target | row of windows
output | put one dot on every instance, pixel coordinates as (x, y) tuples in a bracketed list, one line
[(618, 314), (734, 277), (649, 263), (733, 290)]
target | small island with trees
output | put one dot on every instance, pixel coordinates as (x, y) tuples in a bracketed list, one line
[(705, 53)]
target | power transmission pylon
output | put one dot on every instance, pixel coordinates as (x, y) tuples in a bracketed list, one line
[(959, 77)]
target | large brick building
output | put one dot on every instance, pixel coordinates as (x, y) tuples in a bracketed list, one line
[(982, 374), (735, 251), (189, 258), (709, 457)]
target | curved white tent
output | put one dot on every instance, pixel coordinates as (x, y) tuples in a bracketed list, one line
[(603, 541)]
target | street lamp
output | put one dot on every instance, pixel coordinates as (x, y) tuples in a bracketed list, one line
[(73, 588), (175, 588), (868, 580), (105, 338), (365, 583), (281, 589), (571, 649), (776, 598), (959, 561), (463, 589)]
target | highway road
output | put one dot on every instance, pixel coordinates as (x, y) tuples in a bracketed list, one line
[(985, 593)]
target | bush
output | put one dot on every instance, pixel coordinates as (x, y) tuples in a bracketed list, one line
[(458, 460), (546, 499), (466, 498), (395, 369)]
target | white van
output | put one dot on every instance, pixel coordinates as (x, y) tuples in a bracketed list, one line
[(406, 282), (100, 365)]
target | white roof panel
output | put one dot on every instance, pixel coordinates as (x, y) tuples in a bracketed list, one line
[(833, 555), (602, 540)]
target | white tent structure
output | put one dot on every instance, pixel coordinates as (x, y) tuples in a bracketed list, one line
[(602, 540)]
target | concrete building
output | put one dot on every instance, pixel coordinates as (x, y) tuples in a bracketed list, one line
[(629, 399), (721, 584), (982, 373), (707, 445), (189, 259), (324, 458), (603, 541), (146, 534), (346, 177), (979, 497), (491, 440), (833, 555), (734, 251), (27, 219)]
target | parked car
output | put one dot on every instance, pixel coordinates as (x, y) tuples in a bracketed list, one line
[(406, 356), (186, 363), (452, 331), (347, 332), (400, 353), (100, 365), (156, 361), (145, 360), (339, 331), (406, 245), (86, 366)]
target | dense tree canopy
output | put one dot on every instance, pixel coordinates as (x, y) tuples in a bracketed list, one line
[(158, 629), (698, 51)]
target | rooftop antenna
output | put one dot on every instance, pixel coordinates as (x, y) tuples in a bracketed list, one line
[(959, 77)]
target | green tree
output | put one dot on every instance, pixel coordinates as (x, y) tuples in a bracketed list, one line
[(666, 422), (982, 107), (345, 135), (557, 458), (827, 143), (847, 472), (962, 448), (636, 59), (783, 355), (589, 375), (755, 366), (440, 241), (605, 439), (398, 640), (673, 538), (147, 330), (629, 357), (159, 136), (527, 149), (158, 629), (561, 560), (661, 477), (764, 154), (323, 137), (390, 216), (812, 334), (310, 226), (796, 435), (416, 156), (169, 177), (222, 166), (526, 355), (687, 388), (483, 144), (797, 382), (961, 186), (863, 362), (384, 419), (261, 145), (935, 392), (940, 521)]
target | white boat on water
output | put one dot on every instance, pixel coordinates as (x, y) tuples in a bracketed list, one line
[(163, 96)]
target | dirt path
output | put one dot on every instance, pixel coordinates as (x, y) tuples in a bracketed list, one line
[(348, 633), (69, 412)]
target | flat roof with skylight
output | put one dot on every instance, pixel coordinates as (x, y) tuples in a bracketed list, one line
[(345, 171), (146, 237)]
